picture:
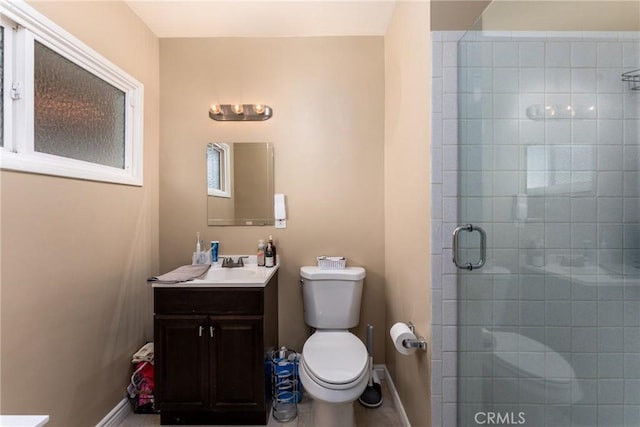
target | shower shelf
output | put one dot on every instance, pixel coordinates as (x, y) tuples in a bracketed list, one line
[(633, 77)]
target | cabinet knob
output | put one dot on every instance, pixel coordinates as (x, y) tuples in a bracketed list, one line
[(211, 330), (200, 330)]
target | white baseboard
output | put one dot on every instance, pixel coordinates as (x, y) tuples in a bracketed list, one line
[(383, 374), (117, 415), (122, 410)]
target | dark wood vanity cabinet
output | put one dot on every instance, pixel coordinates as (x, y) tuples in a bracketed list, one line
[(212, 350)]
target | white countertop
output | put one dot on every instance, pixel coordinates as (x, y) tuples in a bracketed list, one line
[(23, 420), (250, 275)]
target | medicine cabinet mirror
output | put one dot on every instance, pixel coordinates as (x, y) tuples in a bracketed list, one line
[(240, 183)]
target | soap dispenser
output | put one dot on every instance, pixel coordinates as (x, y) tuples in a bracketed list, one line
[(261, 249), (269, 260)]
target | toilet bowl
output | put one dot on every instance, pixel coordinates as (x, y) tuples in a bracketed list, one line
[(333, 366), (539, 387), (333, 372)]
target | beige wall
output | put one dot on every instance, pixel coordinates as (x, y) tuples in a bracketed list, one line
[(75, 255), (528, 15), (460, 15), (570, 15), (327, 94), (407, 199)]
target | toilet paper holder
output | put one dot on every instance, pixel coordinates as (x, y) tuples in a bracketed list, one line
[(419, 342)]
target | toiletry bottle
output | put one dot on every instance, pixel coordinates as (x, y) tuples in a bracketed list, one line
[(269, 260), (261, 248), (198, 247), (215, 246), (273, 248)]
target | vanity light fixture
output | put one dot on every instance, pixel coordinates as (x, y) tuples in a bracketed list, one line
[(240, 112)]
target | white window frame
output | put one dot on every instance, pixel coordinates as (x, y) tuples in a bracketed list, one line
[(27, 26), (7, 70), (225, 171)]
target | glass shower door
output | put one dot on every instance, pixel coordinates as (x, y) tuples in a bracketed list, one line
[(549, 156)]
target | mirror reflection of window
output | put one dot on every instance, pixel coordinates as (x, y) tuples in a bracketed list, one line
[(218, 170), (240, 183)]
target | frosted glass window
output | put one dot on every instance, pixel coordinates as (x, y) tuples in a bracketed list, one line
[(72, 113), (213, 157), (218, 170), (77, 114)]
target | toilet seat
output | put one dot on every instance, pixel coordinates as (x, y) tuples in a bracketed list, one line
[(334, 359)]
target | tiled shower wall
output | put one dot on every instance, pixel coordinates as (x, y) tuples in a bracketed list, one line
[(597, 330), (444, 140)]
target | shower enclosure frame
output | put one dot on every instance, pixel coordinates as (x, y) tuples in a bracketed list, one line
[(447, 338)]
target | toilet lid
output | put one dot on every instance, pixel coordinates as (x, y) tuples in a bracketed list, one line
[(335, 357)]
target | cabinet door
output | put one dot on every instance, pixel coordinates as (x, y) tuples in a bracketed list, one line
[(181, 362), (237, 363)]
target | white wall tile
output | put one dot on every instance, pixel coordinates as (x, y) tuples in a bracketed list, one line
[(610, 132), (436, 165), (450, 54), (631, 158), (531, 54), (505, 106), (610, 340), (436, 94), (436, 58), (584, 313), (505, 80), (450, 80), (583, 54), (631, 105), (558, 54), (450, 132), (583, 80), (584, 132), (609, 106), (450, 158), (583, 235), (558, 132), (609, 54), (449, 338), (610, 313), (631, 184), (449, 106), (505, 54), (532, 80), (608, 80), (610, 158), (436, 377), (610, 365), (436, 410), (436, 306), (557, 80), (630, 54), (610, 391)]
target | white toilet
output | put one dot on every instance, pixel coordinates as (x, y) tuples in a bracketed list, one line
[(334, 362)]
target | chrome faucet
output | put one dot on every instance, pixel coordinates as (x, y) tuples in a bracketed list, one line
[(227, 262)]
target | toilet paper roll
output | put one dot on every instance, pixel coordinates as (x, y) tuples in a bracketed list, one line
[(400, 332)]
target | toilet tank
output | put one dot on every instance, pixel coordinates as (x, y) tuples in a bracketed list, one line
[(331, 298)]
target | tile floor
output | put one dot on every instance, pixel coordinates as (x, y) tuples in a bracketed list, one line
[(384, 416)]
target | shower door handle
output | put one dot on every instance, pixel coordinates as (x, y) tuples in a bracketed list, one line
[(483, 247)]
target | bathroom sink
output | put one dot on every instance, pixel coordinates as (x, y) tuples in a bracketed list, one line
[(239, 273), (217, 276)]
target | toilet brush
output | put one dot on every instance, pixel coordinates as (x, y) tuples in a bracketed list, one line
[(372, 395)]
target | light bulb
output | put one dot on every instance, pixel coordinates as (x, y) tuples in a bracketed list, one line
[(237, 108), (259, 108), (215, 109)]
